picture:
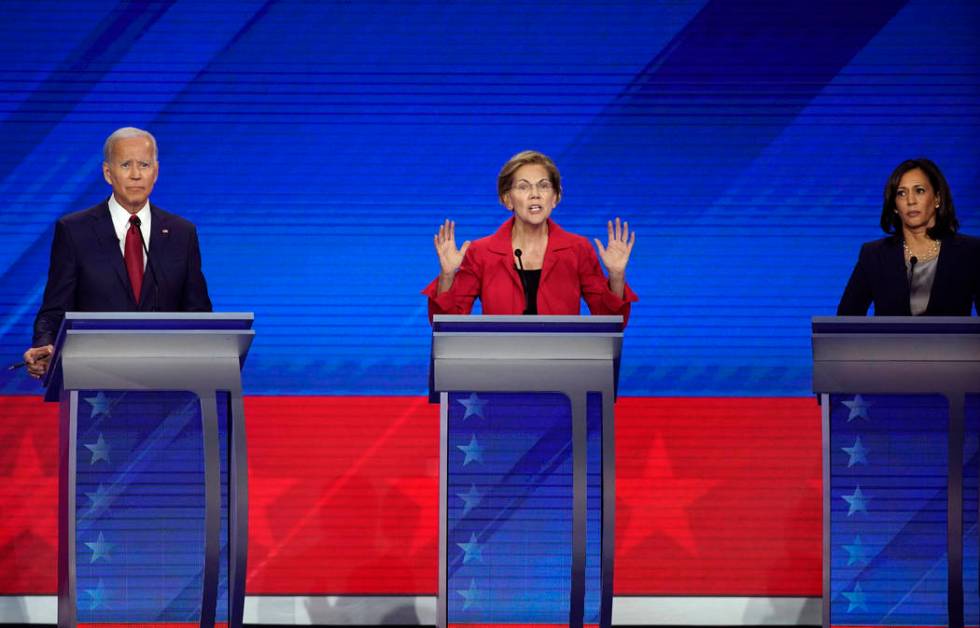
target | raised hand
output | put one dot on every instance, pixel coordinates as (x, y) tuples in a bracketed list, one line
[(616, 254), (450, 257)]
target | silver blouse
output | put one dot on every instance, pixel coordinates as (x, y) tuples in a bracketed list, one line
[(920, 285)]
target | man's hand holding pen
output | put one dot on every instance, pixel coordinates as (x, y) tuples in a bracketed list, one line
[(37, 359)]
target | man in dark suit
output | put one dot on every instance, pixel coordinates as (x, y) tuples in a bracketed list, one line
[(123, 255)]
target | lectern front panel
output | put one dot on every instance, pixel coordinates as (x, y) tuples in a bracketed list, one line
[(140, 499), (971, 511), (510, 506), (888, 498)]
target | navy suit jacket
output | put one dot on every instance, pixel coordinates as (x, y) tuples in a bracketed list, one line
[(87, 272), (880, 278)]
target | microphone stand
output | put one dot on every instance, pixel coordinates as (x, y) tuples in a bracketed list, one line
[(520, 273)]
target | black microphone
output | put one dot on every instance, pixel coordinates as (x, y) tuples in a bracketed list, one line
[(912, 262), (520, 273), (149, 263)]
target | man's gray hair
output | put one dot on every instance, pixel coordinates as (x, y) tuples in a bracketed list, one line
[(124, 133)]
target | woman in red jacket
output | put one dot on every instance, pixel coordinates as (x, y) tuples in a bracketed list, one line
[(531, 265)]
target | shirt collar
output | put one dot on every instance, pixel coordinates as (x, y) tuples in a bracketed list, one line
[(120, 215)]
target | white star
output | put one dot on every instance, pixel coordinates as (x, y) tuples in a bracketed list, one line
[(469, 594), (858, 453), (98, 596), (858, 408), (470, 499), (472, 550), (857, 552), (855, 599), (473, 451), (100, 549), (99, 449), (100, 405), (100, 499), (858, 502), (473, 405)]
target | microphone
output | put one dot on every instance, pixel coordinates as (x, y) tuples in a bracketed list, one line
[(520, 273), (149, 264), (912, 262)]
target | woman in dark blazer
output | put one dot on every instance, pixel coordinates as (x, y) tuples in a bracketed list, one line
[(924, 267)]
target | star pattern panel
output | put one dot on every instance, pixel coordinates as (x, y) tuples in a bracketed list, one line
[(139, 507), (888, 561), (353, 483)]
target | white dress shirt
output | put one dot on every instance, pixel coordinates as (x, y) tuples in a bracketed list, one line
[(120, 222)]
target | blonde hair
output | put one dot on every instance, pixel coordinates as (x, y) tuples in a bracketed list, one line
[(505, 179)]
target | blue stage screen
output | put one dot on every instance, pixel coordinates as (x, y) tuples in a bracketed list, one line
[(317, 146)]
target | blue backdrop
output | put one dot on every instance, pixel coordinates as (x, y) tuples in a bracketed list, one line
[(317, 145)]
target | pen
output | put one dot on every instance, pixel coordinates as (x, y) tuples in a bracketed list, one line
[(17, 365)]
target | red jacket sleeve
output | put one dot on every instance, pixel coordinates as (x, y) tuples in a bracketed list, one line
[(595, 287), (460, 296)]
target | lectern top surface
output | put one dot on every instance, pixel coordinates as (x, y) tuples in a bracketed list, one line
[(100, 334), (151, 316), (158, 320), (531, 324), (896, 325)]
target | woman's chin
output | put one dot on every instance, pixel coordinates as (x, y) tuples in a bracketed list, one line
[(533, 219)]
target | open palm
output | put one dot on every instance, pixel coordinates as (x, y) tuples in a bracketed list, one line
[(450, 257), (616, 253)]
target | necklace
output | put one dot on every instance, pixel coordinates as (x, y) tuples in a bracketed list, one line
[(926, 255)]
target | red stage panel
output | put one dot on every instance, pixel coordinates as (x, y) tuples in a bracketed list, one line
[(513, 625), (716, 496), (344, 494), (217, 624), (28, 496)]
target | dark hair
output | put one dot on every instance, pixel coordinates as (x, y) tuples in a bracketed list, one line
[(946, 222)]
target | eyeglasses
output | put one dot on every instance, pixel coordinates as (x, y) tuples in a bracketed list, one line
[(543, 187)]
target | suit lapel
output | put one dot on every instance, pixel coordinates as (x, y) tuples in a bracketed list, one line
[(558, 240), (105, 233), (894, 265), (944, 268), (501, 245), (157, 245)]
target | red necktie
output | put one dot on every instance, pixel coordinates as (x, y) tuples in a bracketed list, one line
[(134, 256)]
